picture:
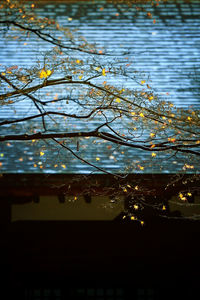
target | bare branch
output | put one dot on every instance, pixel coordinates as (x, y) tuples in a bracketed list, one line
[(85, 161), (52, 40)]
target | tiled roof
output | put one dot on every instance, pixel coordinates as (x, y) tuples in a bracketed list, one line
[(167, 51)]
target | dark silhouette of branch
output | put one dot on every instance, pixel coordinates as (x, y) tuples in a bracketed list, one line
[(52, 40), (86, 161), (177, 131), (103, 135), (64, 81)]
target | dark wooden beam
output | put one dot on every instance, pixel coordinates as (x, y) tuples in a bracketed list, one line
[(22, 186)]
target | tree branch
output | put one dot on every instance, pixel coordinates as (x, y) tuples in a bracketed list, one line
[(50, 39), (85, 161), (96, 134)]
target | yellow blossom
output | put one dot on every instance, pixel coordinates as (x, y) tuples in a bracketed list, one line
[(104, 72), (171, 140), (43, 73), (188, 166), (140, 167), (152, 134), (182, 197)]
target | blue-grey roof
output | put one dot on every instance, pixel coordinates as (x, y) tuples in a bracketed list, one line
[(167, 51)]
